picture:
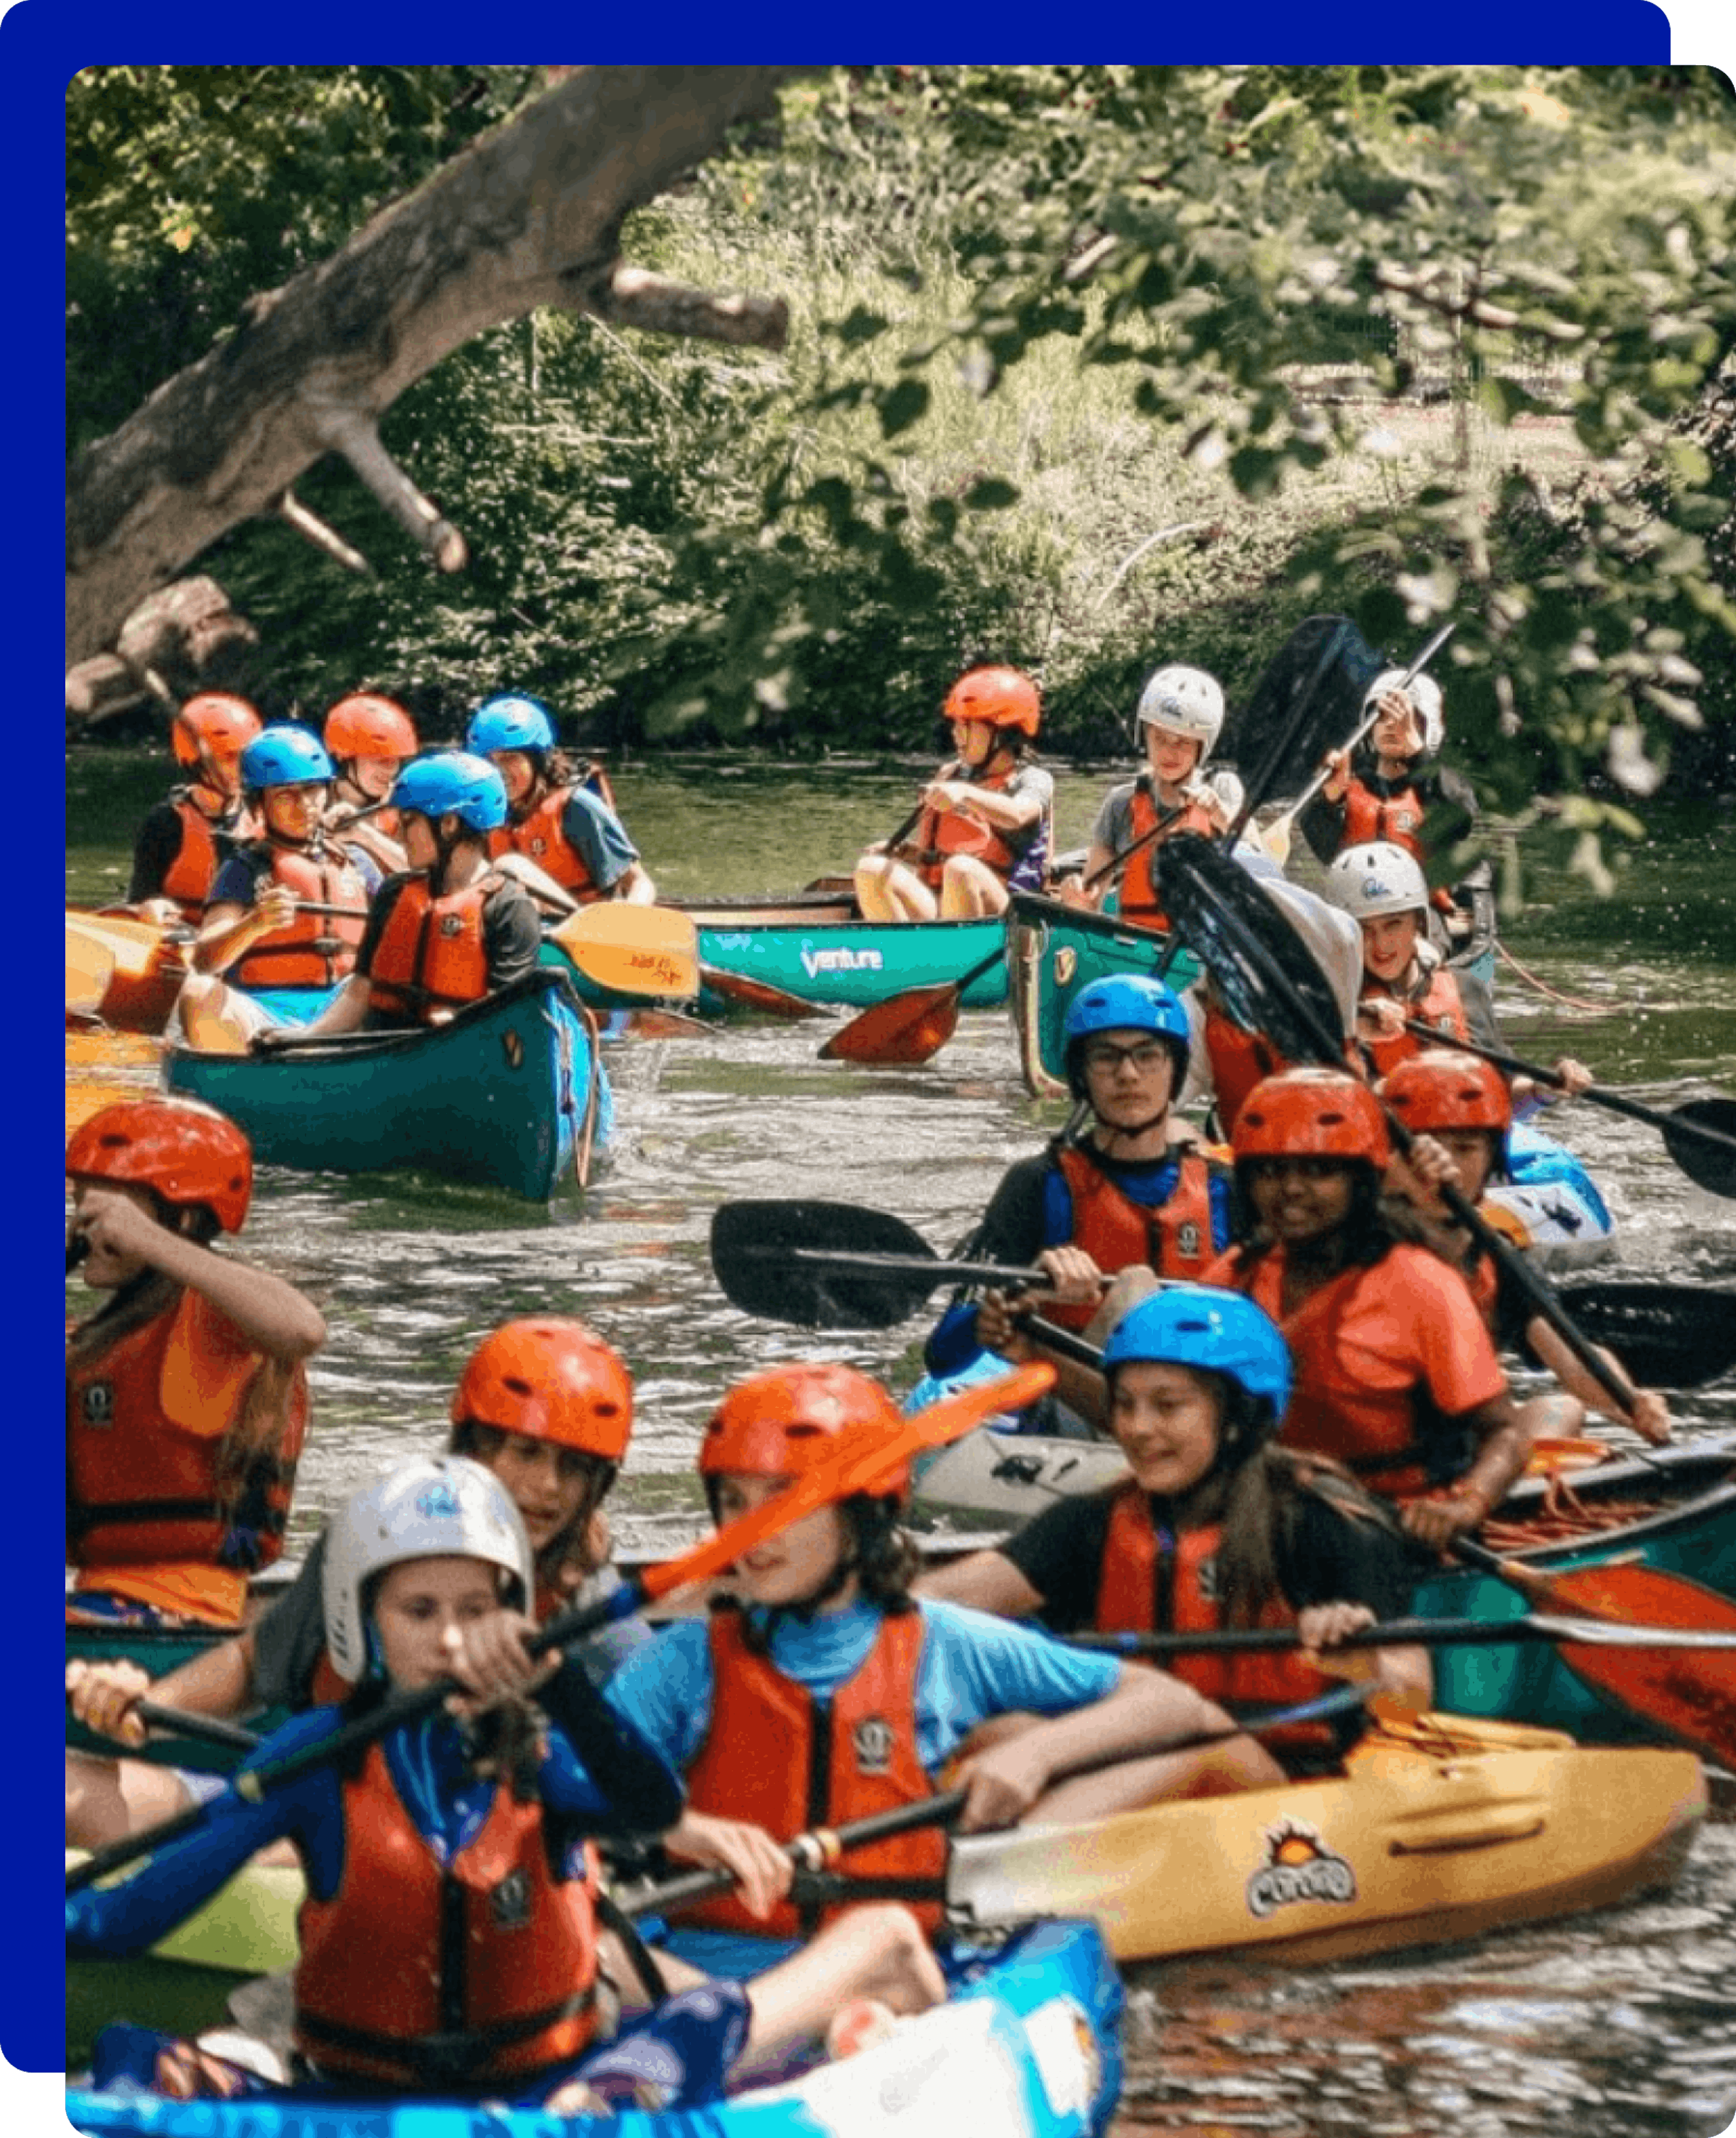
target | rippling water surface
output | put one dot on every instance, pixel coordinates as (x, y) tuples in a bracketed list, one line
[(1609, 2025)]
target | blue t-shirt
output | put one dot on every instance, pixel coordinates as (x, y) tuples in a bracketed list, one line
[(597, 836)]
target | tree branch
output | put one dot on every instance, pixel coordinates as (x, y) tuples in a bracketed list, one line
[(526, 215), (637, 298)]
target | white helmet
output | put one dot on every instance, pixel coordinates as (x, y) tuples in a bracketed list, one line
[(1369, 881), (1186, 701), (429, 1507), (1424, 693)]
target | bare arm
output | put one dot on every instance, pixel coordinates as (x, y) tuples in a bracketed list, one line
[(227, 931), (987, 1581), (1651, 1412), (105, 1696), (1503, 1444)]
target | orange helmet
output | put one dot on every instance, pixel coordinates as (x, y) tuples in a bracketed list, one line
[(1311, 1113), (365, 725), (781, 1423), (189, 1153), (1004, 697), (1439, 1089), (212, 724), (549, 1379)]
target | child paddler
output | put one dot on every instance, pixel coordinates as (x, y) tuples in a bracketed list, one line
[(1405, 976), (286, 910), (1136, 1187), (984, 828), (563, 821), (1395, 1374), (1216, 1527), (184, 839), (826, 1692), (452, 1939), (186, 1397), (545, 1405), (369, 738), (1459, 1111), (451, 930), (1179, 718)]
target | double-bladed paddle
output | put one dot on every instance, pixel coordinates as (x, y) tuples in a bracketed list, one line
[(1699, 1135), (1421, 1633), (857, 1463), (1266, 982)]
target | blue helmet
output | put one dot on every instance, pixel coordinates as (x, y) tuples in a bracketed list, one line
[(1125, 1002), (1213, 1332), (284, 756), (453, 783), (509, 722)]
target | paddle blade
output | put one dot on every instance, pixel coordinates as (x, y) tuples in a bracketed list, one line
[(1270, 980), (864, 1464), (752, 1251), (1709, 1165), (632, 950), (1283, 691), (1691, 1693), (1667, 1335), (908, 1028), (756, 994), (90, 970)]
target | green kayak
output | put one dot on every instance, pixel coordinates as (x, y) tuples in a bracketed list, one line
[(816, 945), (1055, 950)]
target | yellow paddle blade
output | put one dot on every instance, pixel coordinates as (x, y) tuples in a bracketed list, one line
[(89, 969), (632, 950)]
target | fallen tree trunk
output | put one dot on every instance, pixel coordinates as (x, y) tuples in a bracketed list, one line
[(527, 215)]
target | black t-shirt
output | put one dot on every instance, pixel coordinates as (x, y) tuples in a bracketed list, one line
[(1323, 1557)]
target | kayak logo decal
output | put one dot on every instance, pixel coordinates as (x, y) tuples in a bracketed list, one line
[(98, 1405), (841, 959), (1298, 1866), (872, 1740), (510, 1902)]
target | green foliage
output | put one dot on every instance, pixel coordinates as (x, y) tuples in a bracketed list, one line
[(1068, 384)]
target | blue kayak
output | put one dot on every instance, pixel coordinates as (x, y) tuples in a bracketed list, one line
[(509, 1094), (1026, 2047)]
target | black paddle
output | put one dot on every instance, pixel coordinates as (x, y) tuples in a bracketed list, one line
[(1699, 1135), (1667, 1336), (1272, 984), (1414, 1632)]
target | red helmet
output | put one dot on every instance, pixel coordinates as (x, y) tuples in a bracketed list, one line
[(548, 1379), (781, 1423), (1004, 697), (1439, 1089), (190, 1154), (365, 725), (1311, 1113), (212, 724)]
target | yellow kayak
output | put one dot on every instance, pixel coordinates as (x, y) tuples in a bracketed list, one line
[(1438, 1828)]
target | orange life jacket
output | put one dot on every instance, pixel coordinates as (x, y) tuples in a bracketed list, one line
[(144, 1422), (1372, 1432), (1174, 1237), (1369, 815), (940, 834), (431, 953), (777, 1757), (1152, 1583), (1140, 900), (1440, 1004), (540, 835), (189, 876), (1240, 1060), (316, 950), (419, 1974)]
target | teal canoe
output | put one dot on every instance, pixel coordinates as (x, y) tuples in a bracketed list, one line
[(815, 945), (510, 1095), (1055, 950), (1026, 2045)]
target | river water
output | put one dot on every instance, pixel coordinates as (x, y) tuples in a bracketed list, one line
[(1624, 2023)]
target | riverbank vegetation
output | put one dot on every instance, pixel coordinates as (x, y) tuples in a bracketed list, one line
[(1087, 367)]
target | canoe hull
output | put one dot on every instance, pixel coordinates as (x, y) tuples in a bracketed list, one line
[(824, 952), (1053, 952), (502, 1097), (1441, 1833), (1027, 2047)]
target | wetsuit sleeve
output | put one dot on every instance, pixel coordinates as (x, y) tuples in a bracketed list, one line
[(665, 1692), (1451, 806), (1480, 1011), (154, 850), (1326, 1557), (1059, 1553), (640, 1791), (290, 1637), (121, 1920), (1322, 824), (1226, 1209), (512, 936), (597, 835)]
